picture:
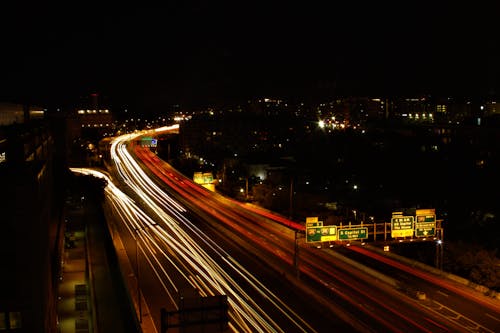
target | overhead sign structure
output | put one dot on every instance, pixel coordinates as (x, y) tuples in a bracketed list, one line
[(148, 141), (402, 226), (353, 233), (425, 224), (321, 233)]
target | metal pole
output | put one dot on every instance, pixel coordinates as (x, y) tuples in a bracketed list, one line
[(246, 188), (436, 260), (296, 255), (442, 248), (137, 275), (291, 201)]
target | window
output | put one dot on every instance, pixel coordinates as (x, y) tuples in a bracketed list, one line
[(3, 321), (15, 320)]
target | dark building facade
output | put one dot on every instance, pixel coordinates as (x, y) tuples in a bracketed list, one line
[(30, 227)]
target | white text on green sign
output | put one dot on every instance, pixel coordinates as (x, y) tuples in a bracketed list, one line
[(425, 229), (353, 233)]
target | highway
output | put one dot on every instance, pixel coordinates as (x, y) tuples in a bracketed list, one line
[(467, 307), (189, 240)]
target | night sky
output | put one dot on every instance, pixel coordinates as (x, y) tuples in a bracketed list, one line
[(201, 52)]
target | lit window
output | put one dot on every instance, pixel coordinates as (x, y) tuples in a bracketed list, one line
[(15, 320), (3, 321)]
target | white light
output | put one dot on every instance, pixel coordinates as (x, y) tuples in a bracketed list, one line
[(321, 124)]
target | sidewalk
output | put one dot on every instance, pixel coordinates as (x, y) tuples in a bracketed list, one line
[(92, 297), (73, 308)]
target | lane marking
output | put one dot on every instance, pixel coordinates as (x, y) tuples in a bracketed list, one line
[(492, 317), (440, 292), (438, 325)]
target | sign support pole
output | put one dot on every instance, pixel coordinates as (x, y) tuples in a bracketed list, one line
[(296, 255)]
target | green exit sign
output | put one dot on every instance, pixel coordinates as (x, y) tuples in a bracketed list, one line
[(321, 234), (353, 233)]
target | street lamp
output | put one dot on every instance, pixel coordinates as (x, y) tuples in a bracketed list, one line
[(137, 274)]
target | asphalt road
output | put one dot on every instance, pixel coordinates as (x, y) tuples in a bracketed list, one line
[(253, 256)]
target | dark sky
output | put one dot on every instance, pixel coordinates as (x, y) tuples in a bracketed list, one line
[(199, 52)]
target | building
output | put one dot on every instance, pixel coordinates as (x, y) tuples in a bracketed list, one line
[(11, 113), (30, 222), (91, 120)]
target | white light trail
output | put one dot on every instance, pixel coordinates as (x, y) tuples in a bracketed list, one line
[(164, 240)]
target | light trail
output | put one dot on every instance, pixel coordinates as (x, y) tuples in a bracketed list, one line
[(159, 240), (180, 259), (228, 213)]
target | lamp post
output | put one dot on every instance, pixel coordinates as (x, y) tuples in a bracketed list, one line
[(296, 255), (290, 215), (439, 251), (139, 301)]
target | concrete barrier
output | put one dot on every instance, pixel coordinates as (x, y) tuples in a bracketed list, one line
[(413, 263)]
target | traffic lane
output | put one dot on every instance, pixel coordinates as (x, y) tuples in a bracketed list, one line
[(276, 276), (385, 304), (216, 213), (449, 297)]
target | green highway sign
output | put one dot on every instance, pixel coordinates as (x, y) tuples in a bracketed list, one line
[(401, 226), (321, 234), (425, 225), (353, 233), (425, 229)]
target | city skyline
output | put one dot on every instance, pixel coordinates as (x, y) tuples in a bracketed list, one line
[(196, 53)]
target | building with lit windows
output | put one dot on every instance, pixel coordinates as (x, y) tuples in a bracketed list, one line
[(95, 120), (91, 120)]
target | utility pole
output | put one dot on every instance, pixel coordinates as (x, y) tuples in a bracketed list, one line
[(296, 255), (139, 301), (291, 202)]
